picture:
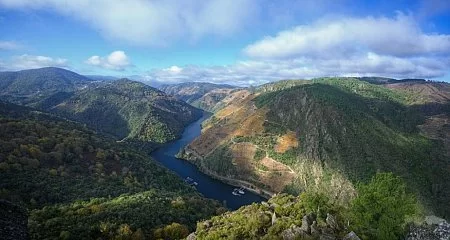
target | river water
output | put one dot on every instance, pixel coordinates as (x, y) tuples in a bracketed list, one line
[(209, 187)]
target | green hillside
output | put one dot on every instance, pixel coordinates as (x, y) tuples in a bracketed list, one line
[(66, 175), (29, 87), (340, 131), (130, 110)]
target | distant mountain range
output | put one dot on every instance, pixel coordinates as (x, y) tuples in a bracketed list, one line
[(200, 94)]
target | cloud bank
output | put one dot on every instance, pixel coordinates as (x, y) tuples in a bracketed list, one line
[(116, 60), (26, 61), (152, 22), (389, 47)]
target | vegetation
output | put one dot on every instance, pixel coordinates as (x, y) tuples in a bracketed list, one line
[(31, 87), (381, 209), (131, 110), (376, 210), (150, 214), (78, 184), (348, 130)]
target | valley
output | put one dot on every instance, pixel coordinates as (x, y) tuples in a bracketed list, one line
[(117, 158)]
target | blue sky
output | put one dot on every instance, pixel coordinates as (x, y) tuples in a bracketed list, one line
[(240, 42)]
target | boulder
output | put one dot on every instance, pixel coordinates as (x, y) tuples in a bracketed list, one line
[(306, 224), (314, 229), (191, 236), (332, 222), (351, 236), (294, 232)]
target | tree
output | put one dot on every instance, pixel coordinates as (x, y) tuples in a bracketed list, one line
[(381, 207)]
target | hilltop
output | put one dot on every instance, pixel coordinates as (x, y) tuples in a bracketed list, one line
[(329, 134), (129, 109), (27, 87)]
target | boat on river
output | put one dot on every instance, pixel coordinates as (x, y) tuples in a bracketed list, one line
[(235, 192), (241, 190)]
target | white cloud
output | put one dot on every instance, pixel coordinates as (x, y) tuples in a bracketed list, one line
[(152, 22), (9, 45), (400, 36), (257, 72), (116, 60), (26, 61)]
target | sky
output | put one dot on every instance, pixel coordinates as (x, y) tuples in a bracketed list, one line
[(241, 42)]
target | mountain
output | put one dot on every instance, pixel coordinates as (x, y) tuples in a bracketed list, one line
[(130, 110), (102, 78), (199, 94), (80, 185), (329, 134), (28, 87)]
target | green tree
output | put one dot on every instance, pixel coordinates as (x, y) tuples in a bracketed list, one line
[(381, 208)]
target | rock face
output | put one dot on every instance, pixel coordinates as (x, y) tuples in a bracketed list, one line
[(437, 230), (13, 222), (351, 236)]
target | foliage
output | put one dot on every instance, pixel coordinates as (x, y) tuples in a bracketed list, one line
[(150, 214), (220, 161), (360, 128), (128, 109), (71, 180), (377, 213), (382, 207)]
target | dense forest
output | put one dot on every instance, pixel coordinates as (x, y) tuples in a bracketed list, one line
[(67, 175)]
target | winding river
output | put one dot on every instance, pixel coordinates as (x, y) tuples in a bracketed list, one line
[(209, 187)]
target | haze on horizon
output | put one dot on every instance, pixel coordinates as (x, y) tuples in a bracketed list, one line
[(238, 42)]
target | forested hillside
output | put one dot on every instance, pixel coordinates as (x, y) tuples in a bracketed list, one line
[(131, 110), (78, 184), (31, 87), (199, 94), (327, 134)]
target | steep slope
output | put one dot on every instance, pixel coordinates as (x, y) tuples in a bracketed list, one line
[(380, 211), (29, 87), (131, 110), (202, 95), (77, 184), (325, 134)]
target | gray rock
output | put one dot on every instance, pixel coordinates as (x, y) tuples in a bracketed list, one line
[(351, 236), (274, 218), (327, 237), (332, 222), (191, 236), (207, 224), (306, 224), (294, 232), (314, 230), (433, 220)]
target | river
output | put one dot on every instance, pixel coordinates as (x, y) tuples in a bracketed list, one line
[(209, 187)]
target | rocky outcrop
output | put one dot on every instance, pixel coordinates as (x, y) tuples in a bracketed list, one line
[(13, 222), (434, 228)]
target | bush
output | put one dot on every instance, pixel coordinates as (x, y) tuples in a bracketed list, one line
[(381, 208)]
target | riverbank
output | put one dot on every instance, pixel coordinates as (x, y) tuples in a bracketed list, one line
[(208, 185), (193, 157)]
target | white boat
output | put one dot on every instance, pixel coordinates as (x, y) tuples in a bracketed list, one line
[(195, 183), (235, 193), (241, 191), (189, 179)]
